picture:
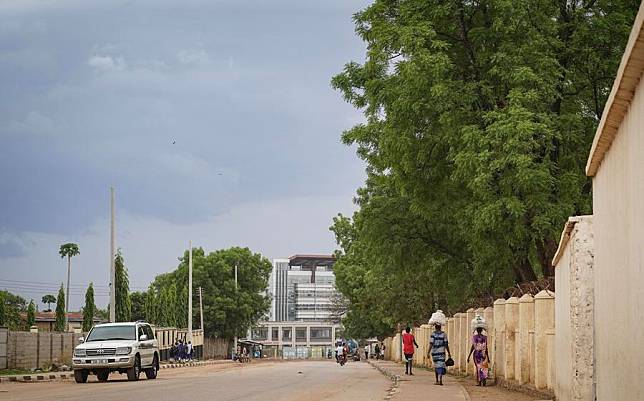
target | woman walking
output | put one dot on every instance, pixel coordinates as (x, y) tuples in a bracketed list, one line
[(438, 345), (479, 349)]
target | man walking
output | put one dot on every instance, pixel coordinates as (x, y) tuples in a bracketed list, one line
[(409, 341), (366, 351)]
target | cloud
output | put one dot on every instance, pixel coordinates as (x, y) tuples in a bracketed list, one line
[(106, 63), (151, 246), (193, 56)]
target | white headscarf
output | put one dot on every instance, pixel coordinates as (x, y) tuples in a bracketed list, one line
[(438, 317), (478, 322)]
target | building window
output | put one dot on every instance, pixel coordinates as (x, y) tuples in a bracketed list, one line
[(300, 334), (320, 333), (286, 334), (275, 334), (259, 333)]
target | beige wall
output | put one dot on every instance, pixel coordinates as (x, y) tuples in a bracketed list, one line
[(538, 339), (574, 318), (618, 206)]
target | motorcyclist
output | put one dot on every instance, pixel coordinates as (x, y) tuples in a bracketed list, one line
[(339, 353)]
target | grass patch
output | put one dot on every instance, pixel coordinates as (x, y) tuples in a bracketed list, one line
[(11, 372)]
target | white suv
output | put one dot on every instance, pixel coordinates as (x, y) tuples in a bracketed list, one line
[(117, 347)]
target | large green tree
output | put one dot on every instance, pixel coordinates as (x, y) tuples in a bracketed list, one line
[(61, 313), (89, 311), (137, 300), (123, 308), (478, 120), (152, 306), (68, 251), (228, 310), (12, 307)]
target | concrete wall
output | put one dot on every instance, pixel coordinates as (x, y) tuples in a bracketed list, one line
[(618, 207), (27, 350), (574, 344), (528, 361)]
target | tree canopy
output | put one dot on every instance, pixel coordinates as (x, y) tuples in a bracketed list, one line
[(59, 325), (478, 120), (48, 299), (228, 311), (89, 310), (123, 308)]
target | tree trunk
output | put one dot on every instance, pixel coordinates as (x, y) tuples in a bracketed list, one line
[(69, 268)]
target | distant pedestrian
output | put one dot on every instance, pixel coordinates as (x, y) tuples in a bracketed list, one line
[(438, 344), (409, 341), (377, 351), (366, 351), (190, 349), (382, 351), (479, 348)]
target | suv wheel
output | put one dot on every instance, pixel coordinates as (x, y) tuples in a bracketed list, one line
[(151, 373), (80, 375), (102, 375), (134, 372)]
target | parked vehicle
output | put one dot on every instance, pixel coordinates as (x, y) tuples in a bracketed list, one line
[(117, 347)]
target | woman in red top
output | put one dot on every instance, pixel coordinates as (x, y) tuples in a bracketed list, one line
[(408, 349)]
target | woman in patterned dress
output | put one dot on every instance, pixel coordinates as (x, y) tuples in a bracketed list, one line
[(437, 346), (481, 356)]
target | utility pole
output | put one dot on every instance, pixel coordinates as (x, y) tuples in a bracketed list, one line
[(112, 253), (190, 293), (201, 310), (235, 341)]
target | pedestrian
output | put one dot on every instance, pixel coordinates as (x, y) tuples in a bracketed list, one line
[(438, 344), (173, 351), (377, 351), (409, 341), (190, 350), (479, 349), (382, 351), (180, 350), (366, 351)]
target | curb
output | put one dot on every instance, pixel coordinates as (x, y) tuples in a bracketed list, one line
[(193, 364), (395, 379), (43, 377), (37, 377)]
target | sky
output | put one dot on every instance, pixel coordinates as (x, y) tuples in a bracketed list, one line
[(213, 119)]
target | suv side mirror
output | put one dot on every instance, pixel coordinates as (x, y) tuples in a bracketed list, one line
[(81, 340), (143, 337)]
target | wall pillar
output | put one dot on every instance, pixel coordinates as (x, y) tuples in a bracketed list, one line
[(451, 324), (467, 341), (499, 338), (511, 320), (488, 314), (544, 321), (526, 324), (454, 344)]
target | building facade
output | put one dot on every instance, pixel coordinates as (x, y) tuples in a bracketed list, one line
[(302, 289), (296, 340)]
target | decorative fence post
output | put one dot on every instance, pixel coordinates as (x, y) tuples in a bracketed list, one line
[(544, 313), (467, 341), (511, 318), (526, 324), (499, 336)]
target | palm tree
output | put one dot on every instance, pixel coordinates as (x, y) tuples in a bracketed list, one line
[(48, 299), (68, 250)]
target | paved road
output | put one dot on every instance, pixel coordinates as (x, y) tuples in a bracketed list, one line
[(284, 381)]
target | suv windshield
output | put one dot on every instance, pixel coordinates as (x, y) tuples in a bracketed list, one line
[(103, 333)]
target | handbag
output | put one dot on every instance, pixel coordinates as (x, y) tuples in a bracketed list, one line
[(449, 362)]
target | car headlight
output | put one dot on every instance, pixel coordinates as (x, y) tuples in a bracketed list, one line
[(123, 350), (80, 352)]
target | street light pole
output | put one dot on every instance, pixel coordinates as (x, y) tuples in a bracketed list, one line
[(112, 265), (201, 311), (190, 294), (235, 341)]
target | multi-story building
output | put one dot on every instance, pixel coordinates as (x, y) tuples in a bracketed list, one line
[(302, 288)]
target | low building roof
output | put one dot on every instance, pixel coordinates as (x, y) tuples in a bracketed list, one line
[(71, 317), (622, 94)]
